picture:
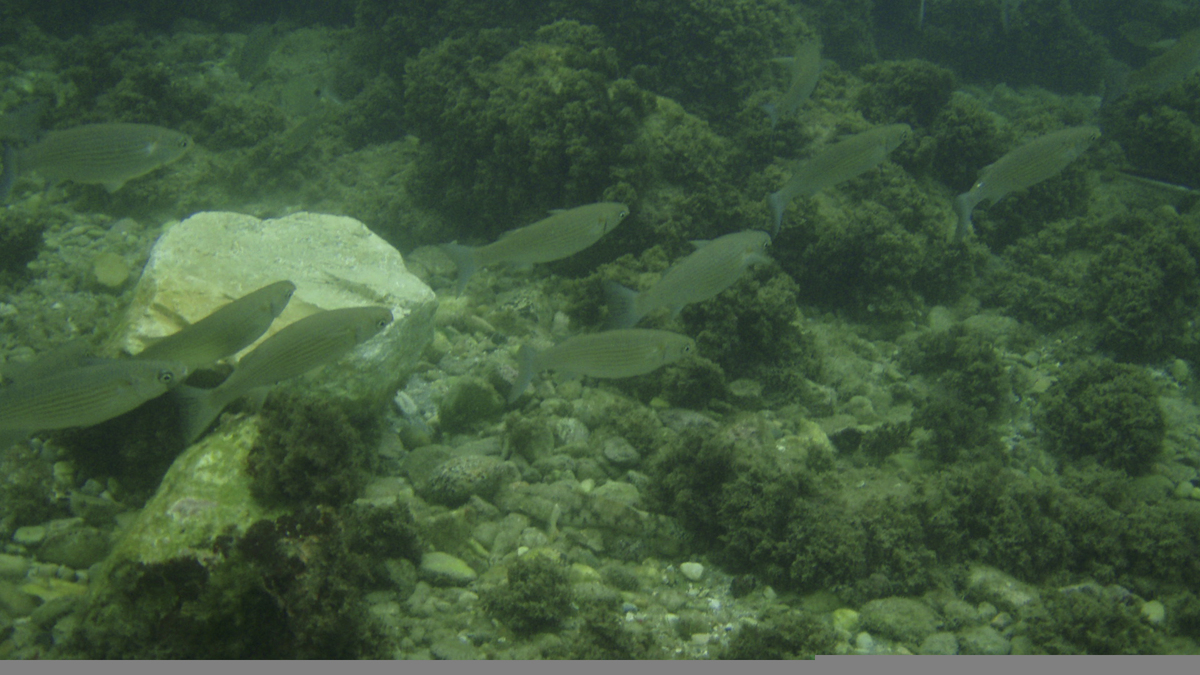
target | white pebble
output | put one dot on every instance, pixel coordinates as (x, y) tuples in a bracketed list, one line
[(692, 570)]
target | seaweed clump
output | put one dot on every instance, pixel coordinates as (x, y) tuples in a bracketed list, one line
[(308, 451), (1107, 411), (515, 131), (537, 596), (780, 635), (292, 587)]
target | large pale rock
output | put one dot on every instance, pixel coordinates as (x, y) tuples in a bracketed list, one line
[(212, 258)]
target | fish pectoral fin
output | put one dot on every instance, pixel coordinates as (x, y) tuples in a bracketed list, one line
[(113, 185)]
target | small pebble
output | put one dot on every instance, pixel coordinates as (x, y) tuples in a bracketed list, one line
[(1154, 612), (692, 570)]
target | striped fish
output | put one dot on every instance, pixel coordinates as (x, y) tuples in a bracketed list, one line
[(225, 332), (105, 154), (562, 234), (803, 69), (709, 270), (610, 354), (83, 396), (297, 348), (837, 163), (1023, 167)]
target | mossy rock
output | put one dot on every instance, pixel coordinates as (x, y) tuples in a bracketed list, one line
[(1105, 411)]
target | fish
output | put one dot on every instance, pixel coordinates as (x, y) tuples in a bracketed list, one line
[(230, 329), (1171, 67), (804, 69), (608, 354), (839, 162), (106, 154), (83, 396), (297, 348), (561, 234), (71, 354), (1023, 167), (713, 267)]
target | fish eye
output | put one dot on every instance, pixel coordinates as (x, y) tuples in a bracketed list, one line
[(165, 376), (383, 323), (621, 215)]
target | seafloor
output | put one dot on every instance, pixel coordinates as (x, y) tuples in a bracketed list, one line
[(888, 442)]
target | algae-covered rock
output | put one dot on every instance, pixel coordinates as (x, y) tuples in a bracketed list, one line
[(334, 262), (1105, 411)]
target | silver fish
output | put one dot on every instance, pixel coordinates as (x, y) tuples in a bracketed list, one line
[(297, 348), (107, 154), (837, 163), (713, 267), (561, 234), (804, 69), (80, 397), (1023, 167), (228, 330), (610, 354), (1171, 67)]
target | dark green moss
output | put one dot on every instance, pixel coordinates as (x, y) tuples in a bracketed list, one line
[(885, 258), (1046, 44), (753, 512), (1083, 621), (469, 402), (914, 92), (1104, 411), (604, 635), (1145, 284), (537, 596), (26, 488), (790, 634), (955, 428), (512, 132), (309, 451), (287, 588), (964, 365)]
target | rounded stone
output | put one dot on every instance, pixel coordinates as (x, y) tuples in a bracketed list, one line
[(940, 643), (443, 569), (1154, 612), (454, 481), (982, 640), (692, 570), (78, 549), (30, 535), (618, 451), (902, 619)]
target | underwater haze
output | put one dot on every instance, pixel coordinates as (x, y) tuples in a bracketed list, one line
[(940, 403)]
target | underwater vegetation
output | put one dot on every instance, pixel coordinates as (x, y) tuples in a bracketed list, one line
[(832, 424)]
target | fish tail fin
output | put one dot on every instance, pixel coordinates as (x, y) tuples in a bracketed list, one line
[(197, 410), (464, 259), (772, 112), (622, 306), (964, 204), (775, 200), (526, 358)]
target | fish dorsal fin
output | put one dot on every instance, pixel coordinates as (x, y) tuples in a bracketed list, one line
[(698, 244)]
